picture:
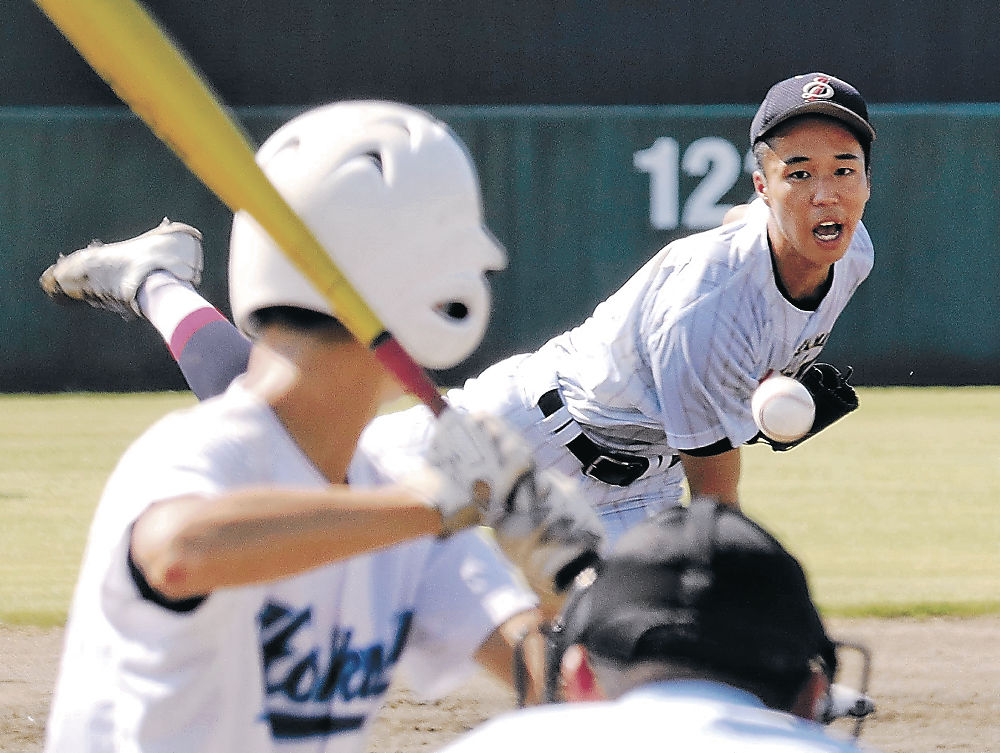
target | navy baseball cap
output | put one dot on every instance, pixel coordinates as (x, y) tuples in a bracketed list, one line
[(703, 585), (813, 94)]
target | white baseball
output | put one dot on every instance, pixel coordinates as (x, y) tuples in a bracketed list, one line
[(782, 408)]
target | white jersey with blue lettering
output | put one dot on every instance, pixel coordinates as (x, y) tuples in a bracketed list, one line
[(300, 664), (684, 715), (669, 362)]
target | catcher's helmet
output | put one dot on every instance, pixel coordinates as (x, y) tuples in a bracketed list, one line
[(393, 196), (703, 585)]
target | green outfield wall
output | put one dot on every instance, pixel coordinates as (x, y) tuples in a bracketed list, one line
[(580, 196)]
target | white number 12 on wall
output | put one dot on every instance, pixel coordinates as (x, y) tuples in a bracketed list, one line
[(714, 159)]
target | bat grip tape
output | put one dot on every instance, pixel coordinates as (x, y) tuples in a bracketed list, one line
[(391, 355)]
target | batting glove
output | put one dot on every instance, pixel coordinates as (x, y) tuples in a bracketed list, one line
[(549, 531), (473, 464)]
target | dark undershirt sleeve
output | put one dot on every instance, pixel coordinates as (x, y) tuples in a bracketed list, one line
[(716, 448), (150, 594)]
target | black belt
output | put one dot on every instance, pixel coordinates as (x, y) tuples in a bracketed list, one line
[(609, 466)]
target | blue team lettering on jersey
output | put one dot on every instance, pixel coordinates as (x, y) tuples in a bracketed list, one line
[(296, 678)]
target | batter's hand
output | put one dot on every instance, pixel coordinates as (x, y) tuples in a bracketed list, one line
[(473, 464), (550, 532)]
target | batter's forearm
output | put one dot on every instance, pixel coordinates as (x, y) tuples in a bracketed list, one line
[(192, 546), (497, 655)]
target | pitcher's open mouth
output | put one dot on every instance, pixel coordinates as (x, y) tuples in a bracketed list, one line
[(828, 231)]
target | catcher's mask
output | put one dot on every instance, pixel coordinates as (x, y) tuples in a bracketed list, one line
[(703, 585)]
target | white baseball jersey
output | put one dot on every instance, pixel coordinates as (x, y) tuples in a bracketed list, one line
[(669, 362), (684, 715), (301, 664)]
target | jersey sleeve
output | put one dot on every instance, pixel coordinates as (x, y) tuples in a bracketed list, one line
[(467, 591), (700, 345), (394, 444), (166, 462)]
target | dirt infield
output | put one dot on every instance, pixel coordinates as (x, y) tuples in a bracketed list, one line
[(937, 683)]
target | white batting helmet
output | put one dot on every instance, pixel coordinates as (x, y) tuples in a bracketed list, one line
[(393, 196)]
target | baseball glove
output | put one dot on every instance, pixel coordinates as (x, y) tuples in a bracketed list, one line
[(833, 396), (478, 471)]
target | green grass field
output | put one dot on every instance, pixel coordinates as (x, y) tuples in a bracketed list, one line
[(895, 510)]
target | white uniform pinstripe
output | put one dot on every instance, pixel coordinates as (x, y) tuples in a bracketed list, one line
[(300, 664), (669, 362)]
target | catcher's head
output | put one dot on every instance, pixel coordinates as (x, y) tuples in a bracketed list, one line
[(393, 196), (699, 592)]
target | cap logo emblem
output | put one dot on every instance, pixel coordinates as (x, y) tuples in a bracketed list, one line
[(818, 88)]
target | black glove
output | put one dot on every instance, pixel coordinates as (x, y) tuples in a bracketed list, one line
[(833, 396)]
